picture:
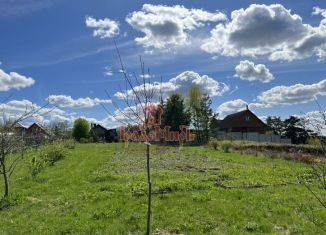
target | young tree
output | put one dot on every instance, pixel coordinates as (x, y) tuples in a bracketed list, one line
[(81, 129), (214, 126), (201, 113), (195, 105), (60, 130), (12, 142), (175, 113), (206, 116), (140, 98)]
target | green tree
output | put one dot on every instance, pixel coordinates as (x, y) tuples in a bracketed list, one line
[(276, 124), (206, 116), (175, 112), (295, 130), (195, 103), (214, 126), (201, 113), (81, 129)]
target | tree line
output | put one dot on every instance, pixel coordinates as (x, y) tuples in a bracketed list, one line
[(294, 128)]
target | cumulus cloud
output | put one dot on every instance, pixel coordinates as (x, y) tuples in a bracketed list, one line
[(123, 117), (14, 81), (69, 102), (279, 95), (165, 26), (249, 71), (103, 28), (14, 109), (267, 30), (181, 84), (237, 105), (295, 94), (231, 107)]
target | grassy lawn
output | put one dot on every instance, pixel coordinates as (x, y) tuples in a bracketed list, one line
[(101, 189)]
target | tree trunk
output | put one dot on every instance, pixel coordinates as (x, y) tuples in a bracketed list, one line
[(6, 180), (149, 206)]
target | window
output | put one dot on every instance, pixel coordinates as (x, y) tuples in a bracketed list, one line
[(247, 118)]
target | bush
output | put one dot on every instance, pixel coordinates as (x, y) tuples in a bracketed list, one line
[(314, 141), (304, 158), (226, 145), (214, 144), (36, 166), (69, 144), (83, 140), (53, 153)]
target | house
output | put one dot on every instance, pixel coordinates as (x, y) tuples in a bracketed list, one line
[(244, 121), (20, 129), (35, 130), (245, 125), (100, 133)]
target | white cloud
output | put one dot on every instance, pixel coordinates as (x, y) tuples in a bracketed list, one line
[(108, 71), (123, 116), (231, 107), (279, 95), (15, 109), (14, 81), (146, 76), (247, 70), (166, 26), (181, 84), (319, 11), (237, 105), (68, 101), (288, 95), (267, 30), (104, 28)]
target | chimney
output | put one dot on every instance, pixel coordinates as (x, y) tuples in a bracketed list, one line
[(247, 107)]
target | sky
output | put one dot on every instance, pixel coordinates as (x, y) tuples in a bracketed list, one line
[(265, 54)]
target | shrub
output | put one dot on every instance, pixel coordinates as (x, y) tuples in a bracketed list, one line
[(304, 158), (53, 153), (226, 145), (314, 141), (214, 144), (36, 166), (83, 140), (69, 144)]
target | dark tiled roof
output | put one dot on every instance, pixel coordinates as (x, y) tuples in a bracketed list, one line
[(239, 120)]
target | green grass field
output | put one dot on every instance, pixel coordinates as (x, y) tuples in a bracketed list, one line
[(101, 189)]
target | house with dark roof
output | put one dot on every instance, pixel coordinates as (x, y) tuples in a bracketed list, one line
[(243, 121), (245, 125), (100, 133)]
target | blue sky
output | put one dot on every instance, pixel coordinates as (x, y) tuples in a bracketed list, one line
[(258, 55)]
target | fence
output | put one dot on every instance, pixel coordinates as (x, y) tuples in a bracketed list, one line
[(253, 136)]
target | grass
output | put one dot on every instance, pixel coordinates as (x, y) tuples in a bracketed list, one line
[(101, 189)]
